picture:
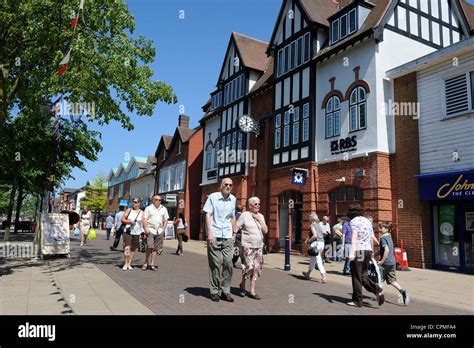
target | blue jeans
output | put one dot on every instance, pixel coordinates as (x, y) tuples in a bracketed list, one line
[(337, 249), (347, 251)]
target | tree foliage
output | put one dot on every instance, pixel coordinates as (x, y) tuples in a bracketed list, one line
[(96, 194)]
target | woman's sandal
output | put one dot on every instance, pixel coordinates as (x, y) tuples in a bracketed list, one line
[(243, 292), (154, 268), (255, 297), (144, 267), (324, 280)]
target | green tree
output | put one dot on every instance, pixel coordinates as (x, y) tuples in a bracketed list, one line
[(96, 195), (109, 66)]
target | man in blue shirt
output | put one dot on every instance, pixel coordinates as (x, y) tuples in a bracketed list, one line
[(118, 229), (221, 228), (346, 244), (109, 221)]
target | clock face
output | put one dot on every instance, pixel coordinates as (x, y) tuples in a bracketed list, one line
[(246, 123)]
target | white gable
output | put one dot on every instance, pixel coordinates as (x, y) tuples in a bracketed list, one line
[(232, 62), (290, 14)]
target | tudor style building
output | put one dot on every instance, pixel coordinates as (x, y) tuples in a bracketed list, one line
[(178, 173)]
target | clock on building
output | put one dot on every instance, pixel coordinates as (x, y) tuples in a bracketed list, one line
[(246, 123)]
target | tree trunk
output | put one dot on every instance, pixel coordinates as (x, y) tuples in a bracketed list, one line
[(19, 203), (6, 237)]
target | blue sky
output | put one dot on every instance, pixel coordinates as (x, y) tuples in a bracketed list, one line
[(189, 54)]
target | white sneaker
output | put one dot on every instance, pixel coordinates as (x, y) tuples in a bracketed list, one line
[(130, 267), (124, 268)]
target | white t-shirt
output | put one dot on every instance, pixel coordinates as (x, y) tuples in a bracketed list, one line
[(155, 218), (137, 227), (326, 229), (363, 227)]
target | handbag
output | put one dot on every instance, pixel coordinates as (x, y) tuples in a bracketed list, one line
[(76, 233), (143, 244), (313, 251)]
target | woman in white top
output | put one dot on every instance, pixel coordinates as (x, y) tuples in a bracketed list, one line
[(253, 227), (316, 241), (179, 224), (135, 224), (85, 225)]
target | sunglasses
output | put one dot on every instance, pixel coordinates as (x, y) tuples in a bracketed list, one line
[(157, 200), (136, 202), (228, 185)]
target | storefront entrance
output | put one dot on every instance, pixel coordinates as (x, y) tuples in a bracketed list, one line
[(291, 211), (340, 200)]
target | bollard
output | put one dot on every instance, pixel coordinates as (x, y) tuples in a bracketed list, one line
[(287, 254)]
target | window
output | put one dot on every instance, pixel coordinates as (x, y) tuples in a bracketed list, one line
[(209, 154), (459, 94), (293, 55), (287, 59), (352, 21), (343, 23), (216, 154), (333, 117), (277, 131), (358, 109), (179, 147), (172, 178), (121, 190), (306, 47), (299, 50), (296, 126), (241, 141), (280, 62), (335, 31), (111, 193), (306, 122)]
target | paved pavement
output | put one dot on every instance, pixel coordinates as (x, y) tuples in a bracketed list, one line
[(92, 282)]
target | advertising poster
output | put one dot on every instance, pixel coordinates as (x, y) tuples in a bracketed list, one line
[(446, 224), (470, 221), (55, 234)]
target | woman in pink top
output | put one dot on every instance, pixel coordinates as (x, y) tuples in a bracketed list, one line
[(253, 227)]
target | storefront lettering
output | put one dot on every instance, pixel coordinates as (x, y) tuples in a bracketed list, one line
[(344, 145), (456, 189)]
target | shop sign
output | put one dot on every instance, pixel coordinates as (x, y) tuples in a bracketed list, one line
[(298, 177), (124, 202), (457, 186), (348, 144)]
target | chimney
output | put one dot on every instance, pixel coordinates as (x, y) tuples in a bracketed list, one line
[(183, 121)]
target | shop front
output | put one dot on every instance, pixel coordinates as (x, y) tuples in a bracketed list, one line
[(451, 197)]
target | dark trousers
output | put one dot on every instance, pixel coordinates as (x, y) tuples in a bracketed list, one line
[(179, 234), (118, 234), (359, 272), (108, 232)]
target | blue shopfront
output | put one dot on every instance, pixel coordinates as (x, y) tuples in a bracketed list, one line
[(451, 197)]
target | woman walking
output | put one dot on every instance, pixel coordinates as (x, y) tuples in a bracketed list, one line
[(179, 224), (135, 224), (316, 242), (252, 225), (85, 225)]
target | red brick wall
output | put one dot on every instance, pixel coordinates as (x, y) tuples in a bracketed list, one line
[(411, 221), (194, 148)]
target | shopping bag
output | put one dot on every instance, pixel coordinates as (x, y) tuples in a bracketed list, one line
[(91, 234), (76, 233)]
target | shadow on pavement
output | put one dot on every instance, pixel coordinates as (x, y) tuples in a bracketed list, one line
[(199, 291)]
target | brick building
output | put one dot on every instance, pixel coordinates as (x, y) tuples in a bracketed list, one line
[(178, 173)]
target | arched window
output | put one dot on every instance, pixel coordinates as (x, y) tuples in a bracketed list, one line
[(216, 154), (333, 117), (209, 155), (358, 109)]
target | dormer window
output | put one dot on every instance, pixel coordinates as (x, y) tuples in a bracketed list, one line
[(216, 100), (343, 26)]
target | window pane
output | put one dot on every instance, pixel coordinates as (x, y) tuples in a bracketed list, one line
[(362, 94), (300, 51), (353, 118), (280, 62), (293, 55), (335, 30), (352, 21), (238, 87), (472, 90), (278, 121), (287, 58), (287, 117), (296, 132), (354, 96), (306, 47), (277, 138), (306, 110), (329, 106), (362, 115), (337, 103), (306, 129), (286, 136), (350, 193), (341, 194), (329, 130), (337, 123), (296, 116), (343, 26)]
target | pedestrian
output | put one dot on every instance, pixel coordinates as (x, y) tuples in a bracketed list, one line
[(337, 240), (252, 226), (156, 216), (109, 221), (387, 261), (119, 228), (346, 244), (315, 241), (360, 256), (327, 237), (85, 224), (238, 238), (135, 224), (221, 229), (179, 224)]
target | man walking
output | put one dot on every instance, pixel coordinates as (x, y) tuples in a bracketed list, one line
[(109, 222), (156, 217), (327, 237), (221, 229), (118, 228)]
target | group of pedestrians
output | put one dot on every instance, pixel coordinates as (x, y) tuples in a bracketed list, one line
[(352, 238)]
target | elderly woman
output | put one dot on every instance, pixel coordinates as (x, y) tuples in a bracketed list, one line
[(315, 241), (253, 227), (135, 223), (85, 225)]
